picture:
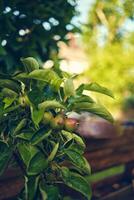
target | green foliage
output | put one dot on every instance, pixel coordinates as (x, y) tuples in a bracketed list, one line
[(93, 108), (31, 185), (128, 103), (33, 131), (113, 67), (109, 47), (33, 64), (76, 181), (32, 28), (69, 88), (49, 192), (109, 16)]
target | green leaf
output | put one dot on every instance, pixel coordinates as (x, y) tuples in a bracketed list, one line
[(8, 93), (31, 186), (37, 164), (49, 192), (8, 101), (10, 109), (53, 153), (66, 74), (69, 88), (52, 192), (10, 84), (55, 83), (95, 109), (42, 74), (37, 115), (70, 136), (27, 152), (76, 181), (25, 135), (33, 158), (78, 160), (77, 148), (30, 64), (47, 75), (21, 76), (79, 99), (79, 140), (98, 88), (80, 89), (50, 104), (67, 135), (36, 95), (21, 125), (40, 135), (95, 87), (43, 191), (5, 156)]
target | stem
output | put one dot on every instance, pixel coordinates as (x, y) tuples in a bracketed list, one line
[(59, 95), (59, 155), (61, 137)]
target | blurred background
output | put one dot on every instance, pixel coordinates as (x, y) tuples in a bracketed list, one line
[(105, 50), (91, 38)]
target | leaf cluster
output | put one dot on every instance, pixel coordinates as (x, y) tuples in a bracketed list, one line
[(33, 110), (32, 28)]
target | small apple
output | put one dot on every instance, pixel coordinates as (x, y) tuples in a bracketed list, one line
[(47, 118), (58, 122), (71, 124)]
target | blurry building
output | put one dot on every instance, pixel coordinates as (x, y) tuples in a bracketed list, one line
[(74, 58)]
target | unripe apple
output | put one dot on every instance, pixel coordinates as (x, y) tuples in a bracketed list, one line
[(58, 122), (47, 118), (71, 124)]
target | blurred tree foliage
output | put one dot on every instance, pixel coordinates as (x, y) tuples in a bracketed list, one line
[(128, 103), (32, 28), (109, 43)]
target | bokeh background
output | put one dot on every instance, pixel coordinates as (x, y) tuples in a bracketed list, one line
[(92, 38), (107, 42)]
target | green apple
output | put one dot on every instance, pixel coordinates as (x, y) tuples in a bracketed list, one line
[(47, 118), (58, 122)]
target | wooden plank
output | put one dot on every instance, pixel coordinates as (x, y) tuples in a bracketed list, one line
[(11, 173), (104, 144), (101, 154), (94, 144), (10, 188), (110, 160), (107, 181), (110, 151), (125, 193)]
